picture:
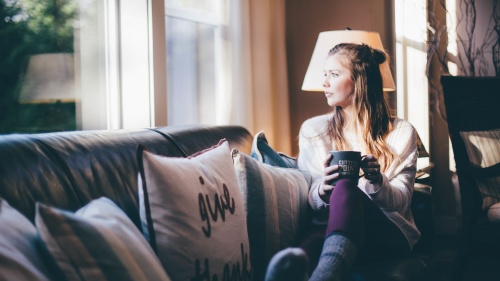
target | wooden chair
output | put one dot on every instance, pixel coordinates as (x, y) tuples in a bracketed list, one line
[(473, 113)]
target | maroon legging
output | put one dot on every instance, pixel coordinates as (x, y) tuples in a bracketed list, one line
[(357, 217)]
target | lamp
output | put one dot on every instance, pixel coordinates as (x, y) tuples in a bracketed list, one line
[(313, 81), (49, 78), (47, 97)]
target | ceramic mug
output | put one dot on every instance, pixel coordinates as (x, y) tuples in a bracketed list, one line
[(349, 163)]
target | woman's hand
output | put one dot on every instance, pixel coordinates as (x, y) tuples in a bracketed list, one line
[(371, 168), (330, 173)]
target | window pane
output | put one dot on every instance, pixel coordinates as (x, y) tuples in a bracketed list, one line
[(417, 93), (400, 73), (37, 63), (202, 5), (190, 72), (411, 19), (411, 58)]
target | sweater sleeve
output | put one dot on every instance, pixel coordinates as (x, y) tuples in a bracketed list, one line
[(395, 190), (313, 149)]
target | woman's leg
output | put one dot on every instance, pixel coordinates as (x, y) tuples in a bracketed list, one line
[(356, 227), (344, 232), (353, 218), (355, 215)]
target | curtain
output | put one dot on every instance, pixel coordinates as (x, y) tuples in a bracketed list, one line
[(255, 90)]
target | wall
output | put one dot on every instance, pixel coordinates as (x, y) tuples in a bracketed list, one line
[(305, 19)]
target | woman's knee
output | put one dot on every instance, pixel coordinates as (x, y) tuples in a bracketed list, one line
[(345, 191)]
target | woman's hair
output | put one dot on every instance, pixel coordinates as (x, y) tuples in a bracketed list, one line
[(373, 110)]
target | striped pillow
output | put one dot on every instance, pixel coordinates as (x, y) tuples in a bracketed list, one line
[(483, 149), (98, 242), (276, 205), (19, 260)]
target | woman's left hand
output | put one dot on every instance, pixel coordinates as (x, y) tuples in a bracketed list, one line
[(371, 168)]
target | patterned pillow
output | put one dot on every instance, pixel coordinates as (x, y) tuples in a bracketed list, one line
[(98, 242), (276, 202), (19, 259), (193, 210), (266, 154), (483, 149)]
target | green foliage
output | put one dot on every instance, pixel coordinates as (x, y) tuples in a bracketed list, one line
[(50, 24), (13, 52), (29, 27)]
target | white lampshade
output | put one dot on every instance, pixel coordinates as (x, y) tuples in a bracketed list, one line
[(49, 78), (313, 81)]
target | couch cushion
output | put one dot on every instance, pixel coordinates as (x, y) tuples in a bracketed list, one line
[(417, 267), (193, 138), (276, 206), (98, 242), (19, 258), (68, 169), (193, 212)]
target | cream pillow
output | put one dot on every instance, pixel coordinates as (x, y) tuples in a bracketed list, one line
[(194, 214)]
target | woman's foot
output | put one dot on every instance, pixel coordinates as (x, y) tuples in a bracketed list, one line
[(288, 264), (336, 259)]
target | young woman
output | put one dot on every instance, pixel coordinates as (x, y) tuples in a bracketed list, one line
[(354, 221)]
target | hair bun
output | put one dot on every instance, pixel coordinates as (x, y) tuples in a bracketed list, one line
[(378, 56)]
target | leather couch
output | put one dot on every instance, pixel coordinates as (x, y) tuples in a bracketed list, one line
[(69, 169)]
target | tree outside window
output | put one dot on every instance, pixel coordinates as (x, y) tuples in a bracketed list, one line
[(29, 28)]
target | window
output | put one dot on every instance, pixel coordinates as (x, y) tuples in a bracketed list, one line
[(114, 76), (411, 58), (76, 64), (193, 31), (102, 64), (37, 65)]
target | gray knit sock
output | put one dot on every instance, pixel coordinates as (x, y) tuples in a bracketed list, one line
[(336, 259), (288, 264)]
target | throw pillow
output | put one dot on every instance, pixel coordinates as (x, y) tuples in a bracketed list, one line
[(494, 213), (194, 214), (263, 152), (98, 242), (276, 204), (483, 149), (19, 258)]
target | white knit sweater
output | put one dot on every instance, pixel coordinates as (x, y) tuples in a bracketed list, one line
[(393, 194)]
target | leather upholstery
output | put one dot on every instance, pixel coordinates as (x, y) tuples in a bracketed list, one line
[(69, 169)]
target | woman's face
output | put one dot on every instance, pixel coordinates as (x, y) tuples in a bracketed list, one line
[(338, 86)]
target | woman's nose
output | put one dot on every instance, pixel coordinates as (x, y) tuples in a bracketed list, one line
[(325, 83)]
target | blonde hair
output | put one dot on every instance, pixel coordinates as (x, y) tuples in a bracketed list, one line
[(373, 110)]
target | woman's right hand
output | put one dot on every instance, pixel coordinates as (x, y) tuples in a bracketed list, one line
[(330, 173)]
